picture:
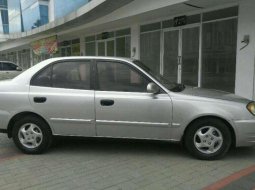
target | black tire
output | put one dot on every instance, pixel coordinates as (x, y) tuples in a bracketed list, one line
[(199, 124), (45, 130)]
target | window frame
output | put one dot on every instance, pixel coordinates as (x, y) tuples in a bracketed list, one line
[(90, 62), (141, 73)]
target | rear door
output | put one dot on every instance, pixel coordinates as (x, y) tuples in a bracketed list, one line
[(62, 93)]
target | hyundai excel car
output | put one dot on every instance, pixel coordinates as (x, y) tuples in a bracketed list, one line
[(120, 98)]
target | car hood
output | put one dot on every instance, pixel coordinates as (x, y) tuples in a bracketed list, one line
[(214, 94)]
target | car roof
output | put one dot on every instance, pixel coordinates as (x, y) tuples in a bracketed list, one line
[(7, 62), (91, 57), (26, 76)]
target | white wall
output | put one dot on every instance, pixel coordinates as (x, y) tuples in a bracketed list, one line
[(245, 58)]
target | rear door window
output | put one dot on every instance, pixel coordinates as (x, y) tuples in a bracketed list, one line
[(68, 74)]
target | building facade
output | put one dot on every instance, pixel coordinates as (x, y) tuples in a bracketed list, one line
[(209, 44), (4, 20)]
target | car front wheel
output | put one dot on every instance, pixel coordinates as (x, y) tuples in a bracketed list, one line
[(32, 135), (208, 139)]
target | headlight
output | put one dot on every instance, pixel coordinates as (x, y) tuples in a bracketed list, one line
[(251, 107)]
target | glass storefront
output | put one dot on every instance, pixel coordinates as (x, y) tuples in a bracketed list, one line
[(219, 55), (12, 57), (24, 58), (150, 50), (178, 54), (117, 43), (69, 48), (39, 58)]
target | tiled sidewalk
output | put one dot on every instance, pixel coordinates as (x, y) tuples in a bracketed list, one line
[(95, 164), (244, 180)]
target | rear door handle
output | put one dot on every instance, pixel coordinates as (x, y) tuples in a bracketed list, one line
[(107, 102), (40, 99)]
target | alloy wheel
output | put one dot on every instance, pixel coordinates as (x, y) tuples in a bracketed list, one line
[(208, 140)]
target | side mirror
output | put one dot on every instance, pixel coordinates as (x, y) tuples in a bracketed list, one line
[(153, 88), (18, 69)]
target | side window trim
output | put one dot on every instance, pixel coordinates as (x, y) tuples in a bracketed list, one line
[(90, 62), (130, 66)]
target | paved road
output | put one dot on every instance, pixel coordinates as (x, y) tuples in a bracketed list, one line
[(114, 165)]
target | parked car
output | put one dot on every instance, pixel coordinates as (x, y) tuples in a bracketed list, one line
[(9, 70), (120, 98)]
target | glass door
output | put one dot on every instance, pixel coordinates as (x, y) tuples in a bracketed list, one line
[(106, 47), (101, 48), (171, 54), (190, 56), (110, 48), (181, 55)]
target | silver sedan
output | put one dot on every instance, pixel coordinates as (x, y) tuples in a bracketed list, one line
[(120, 98)]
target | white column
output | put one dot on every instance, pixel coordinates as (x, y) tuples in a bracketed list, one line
[(51, 10), (135, 41), (245, 57), (17, 57), (31, 58)]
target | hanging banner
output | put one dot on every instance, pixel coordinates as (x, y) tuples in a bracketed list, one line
[(45, 46)]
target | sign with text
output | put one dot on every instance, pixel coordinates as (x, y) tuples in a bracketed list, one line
[(180, 21)]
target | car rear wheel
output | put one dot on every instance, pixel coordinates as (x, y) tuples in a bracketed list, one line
[(32, 135), (208, 139)]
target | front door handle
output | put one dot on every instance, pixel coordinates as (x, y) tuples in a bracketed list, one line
[(40, 99), (107, 102)]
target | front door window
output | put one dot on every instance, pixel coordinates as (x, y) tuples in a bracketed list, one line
[(113, 76)]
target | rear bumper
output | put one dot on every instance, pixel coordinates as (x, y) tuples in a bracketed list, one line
[(245, 133)]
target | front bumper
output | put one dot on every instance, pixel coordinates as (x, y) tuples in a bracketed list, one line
[(245, 133)]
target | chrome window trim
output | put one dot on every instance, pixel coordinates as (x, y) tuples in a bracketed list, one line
[(72, 120), (152, 124)]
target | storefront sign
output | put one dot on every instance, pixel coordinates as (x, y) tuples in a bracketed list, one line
[(180, 21), (45, 46)]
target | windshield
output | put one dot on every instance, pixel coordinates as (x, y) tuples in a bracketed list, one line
[(174, 87)]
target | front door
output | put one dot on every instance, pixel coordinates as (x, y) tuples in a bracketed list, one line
[(62, 94), (123, 106), (181, 55)]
